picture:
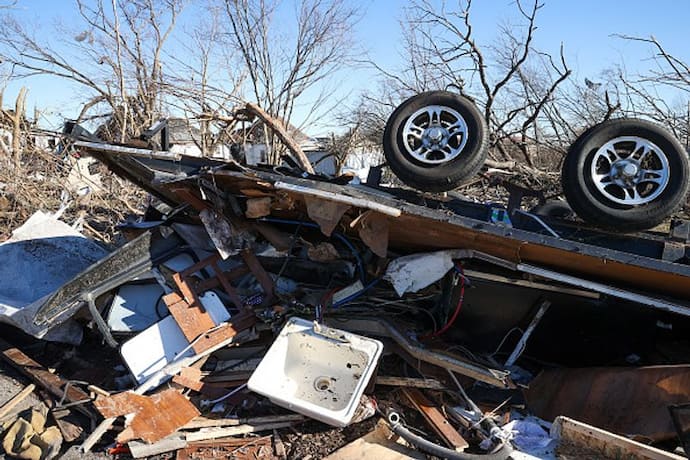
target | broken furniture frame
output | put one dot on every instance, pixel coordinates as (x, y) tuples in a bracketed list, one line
[(190, 289)]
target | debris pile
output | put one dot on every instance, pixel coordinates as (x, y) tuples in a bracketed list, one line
[(270, 313)]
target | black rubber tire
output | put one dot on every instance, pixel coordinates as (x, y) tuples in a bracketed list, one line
[(592, 206), (444, 176), (553, 208)]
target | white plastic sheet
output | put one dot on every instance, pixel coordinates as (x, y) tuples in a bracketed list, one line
[(417, 271)]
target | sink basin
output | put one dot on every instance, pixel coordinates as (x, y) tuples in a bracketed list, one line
[(317, 371)]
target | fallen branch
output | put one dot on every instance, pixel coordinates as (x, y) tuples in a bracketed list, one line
[(279, 129)]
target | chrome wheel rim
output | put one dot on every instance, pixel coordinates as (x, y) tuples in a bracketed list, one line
[(435, 134), (630, 170)]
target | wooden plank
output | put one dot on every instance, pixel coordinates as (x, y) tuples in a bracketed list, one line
[(220, 279), (190, 377), (543, 286), (16, 399), (140, 449), (204, 422), (214, 433), (225, 282), (429, 384), (263, 440), (436, 419), (237, 324), (258, 271), (378, 444), (609, 444), (191, 318), (54, 384), (181, 440), (340, 198)]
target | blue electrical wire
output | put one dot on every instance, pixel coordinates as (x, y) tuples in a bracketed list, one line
[(339, 236)]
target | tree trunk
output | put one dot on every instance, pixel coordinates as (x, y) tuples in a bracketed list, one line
[(17, 119)]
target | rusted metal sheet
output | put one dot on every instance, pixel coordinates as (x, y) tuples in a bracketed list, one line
[(627, 401), (156, 416), (436, 419)]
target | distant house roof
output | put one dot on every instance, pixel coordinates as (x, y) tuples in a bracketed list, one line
[(181, 131), (306, 142)]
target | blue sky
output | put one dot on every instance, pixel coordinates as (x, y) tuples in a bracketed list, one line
[(584, 26)]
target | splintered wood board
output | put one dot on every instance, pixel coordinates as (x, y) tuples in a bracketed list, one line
[(155, 417)]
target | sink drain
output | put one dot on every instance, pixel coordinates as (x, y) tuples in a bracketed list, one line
[(322, 383)]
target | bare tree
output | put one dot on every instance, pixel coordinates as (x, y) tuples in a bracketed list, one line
[(511, 81), (117, 57), (515, 85), (282, 67), (661, 93), (205, 81)]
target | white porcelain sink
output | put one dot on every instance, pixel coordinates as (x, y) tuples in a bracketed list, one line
[(317, 371)]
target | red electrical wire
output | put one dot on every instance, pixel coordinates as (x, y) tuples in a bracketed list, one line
[(329, 295), (457, 308)]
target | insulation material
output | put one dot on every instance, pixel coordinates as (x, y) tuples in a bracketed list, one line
[(42, 255)]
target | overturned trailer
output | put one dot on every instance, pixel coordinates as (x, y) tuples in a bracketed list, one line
[(497, 245), (407, 221)]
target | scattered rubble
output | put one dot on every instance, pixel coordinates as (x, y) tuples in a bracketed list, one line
[(281, 314)]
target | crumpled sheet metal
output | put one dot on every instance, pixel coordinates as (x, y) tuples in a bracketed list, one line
[(41, 256), (625, 400)]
